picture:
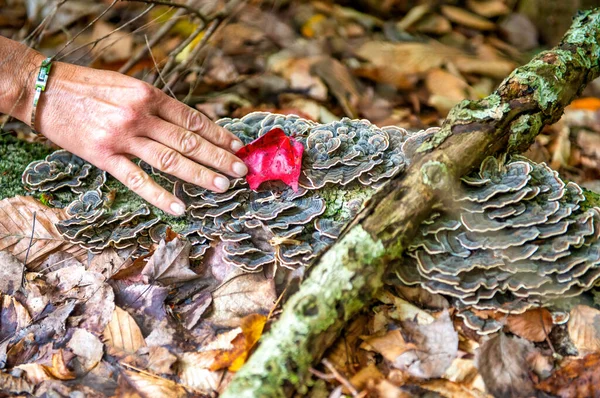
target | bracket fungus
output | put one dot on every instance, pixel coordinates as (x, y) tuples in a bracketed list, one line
[(514, 236), (517, 237)]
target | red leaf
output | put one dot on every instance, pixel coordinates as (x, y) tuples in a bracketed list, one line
[(273, 156)]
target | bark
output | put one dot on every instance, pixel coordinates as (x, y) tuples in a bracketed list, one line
[(347, 276)]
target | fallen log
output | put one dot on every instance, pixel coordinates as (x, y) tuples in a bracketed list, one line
[(344, 279)]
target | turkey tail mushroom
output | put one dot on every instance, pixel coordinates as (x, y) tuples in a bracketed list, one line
[(520, 238)]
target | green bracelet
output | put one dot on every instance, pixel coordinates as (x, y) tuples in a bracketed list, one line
[(40, 85)]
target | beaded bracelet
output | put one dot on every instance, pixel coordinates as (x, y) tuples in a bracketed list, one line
[(40, 85)]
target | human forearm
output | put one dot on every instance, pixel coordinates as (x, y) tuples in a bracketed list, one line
[(18, 68)]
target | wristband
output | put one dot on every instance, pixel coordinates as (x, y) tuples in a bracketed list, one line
[(40, 85)]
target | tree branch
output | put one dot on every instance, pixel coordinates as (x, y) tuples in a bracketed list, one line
[(347, 276)]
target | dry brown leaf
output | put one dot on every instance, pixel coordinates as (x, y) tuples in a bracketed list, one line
[(498, 68), (14, 317), (297, 72), (94, 297), (16, 222), (448, 389), (108, 263), (160, 360), (533, 325), (11, 273), (87, 347), (59, 369), (122, 333), (434, 24), (368, 374), (488, 8), (12, 386), (502, 362), (584, 329), (465, 372), (404, 59), (466, 18), (578, 378), (152, 386), (390, 346), (403, 310), (340, 82), (35, 372), (241, 295), (414, 15), (116, 47), (446, 90), (194, 372), (436, 347), (344, 354), (170, 263)]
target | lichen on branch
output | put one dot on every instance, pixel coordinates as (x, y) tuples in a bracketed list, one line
[(508, 120)]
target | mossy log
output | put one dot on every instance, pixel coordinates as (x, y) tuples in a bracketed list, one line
[(346, 277)]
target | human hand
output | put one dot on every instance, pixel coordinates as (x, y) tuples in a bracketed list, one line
[(108, 118)]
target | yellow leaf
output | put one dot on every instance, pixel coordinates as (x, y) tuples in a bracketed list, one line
[(310, 26), (185, 53), (233, 357)]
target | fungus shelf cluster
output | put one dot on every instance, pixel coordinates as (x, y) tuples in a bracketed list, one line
[(514, 236), (517, 237), (274, 225)]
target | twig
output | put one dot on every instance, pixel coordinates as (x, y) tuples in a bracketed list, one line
[(173, 54), (162, 32), (156, 65), (340, 378), (72, 39), (28, 248), (39, 30), (174, 75), (93, 43), (187, 7), (176, 72)]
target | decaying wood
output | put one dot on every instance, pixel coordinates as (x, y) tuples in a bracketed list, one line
[(347, 276)]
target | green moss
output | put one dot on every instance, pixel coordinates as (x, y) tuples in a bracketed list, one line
[(15, 155), (592, 199), (336, 196), (523, 131)]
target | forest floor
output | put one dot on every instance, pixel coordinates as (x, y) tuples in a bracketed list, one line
[(90, 323)]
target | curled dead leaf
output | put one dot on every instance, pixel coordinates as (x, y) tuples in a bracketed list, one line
[(533, 325), (584, 329)]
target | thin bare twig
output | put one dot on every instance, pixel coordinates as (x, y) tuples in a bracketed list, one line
[(156, 66), (72, 39), (187, 7), (173, 54), (162, 32), (93, 43), (28, 249), (340, 378), (176, 72), (39, 30)]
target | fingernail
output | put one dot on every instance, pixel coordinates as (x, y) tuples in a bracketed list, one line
[(240, 169), (221, 183), (177, 208), (236, 145)]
